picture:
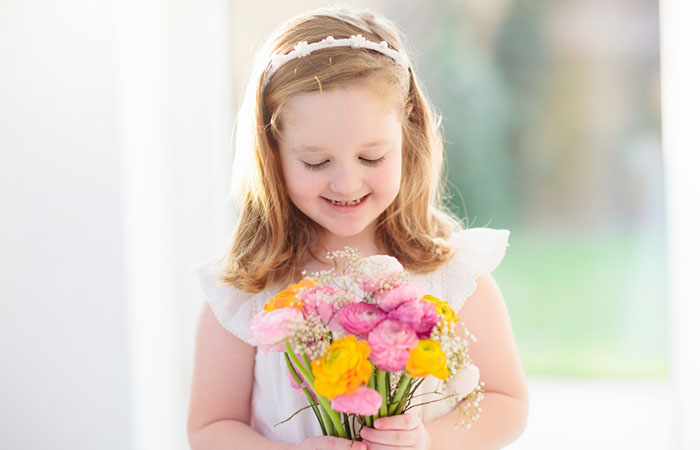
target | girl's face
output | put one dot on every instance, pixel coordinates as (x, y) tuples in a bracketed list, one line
[(340, 151)]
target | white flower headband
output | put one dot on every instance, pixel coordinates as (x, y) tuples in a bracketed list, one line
[(303, 48)]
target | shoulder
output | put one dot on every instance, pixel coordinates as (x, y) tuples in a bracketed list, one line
[(232, 307), (479, 248), (478, 251)]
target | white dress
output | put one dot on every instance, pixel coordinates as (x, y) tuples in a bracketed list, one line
[(477, 251)]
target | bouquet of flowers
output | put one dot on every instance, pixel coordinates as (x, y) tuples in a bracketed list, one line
[(359, 339)]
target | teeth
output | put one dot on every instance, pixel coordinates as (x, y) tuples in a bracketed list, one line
[(354, 202)]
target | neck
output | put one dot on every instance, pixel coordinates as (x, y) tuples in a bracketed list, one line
[(362, 242)]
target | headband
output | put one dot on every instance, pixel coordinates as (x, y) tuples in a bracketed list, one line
[(303, 48)]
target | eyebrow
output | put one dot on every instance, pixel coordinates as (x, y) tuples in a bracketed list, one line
[(314, 149)]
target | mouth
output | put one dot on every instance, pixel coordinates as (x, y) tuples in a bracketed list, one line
[(355, 202)]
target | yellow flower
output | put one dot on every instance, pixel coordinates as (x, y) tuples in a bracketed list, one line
[(287, 298), (427, 358), (443, 309), (343, 368)]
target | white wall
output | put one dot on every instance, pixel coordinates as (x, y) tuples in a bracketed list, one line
[(115, 119), (680, 87), (64, 376)]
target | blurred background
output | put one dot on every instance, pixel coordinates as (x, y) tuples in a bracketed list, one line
[(115, 126)]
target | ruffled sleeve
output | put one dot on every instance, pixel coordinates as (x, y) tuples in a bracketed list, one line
[(233, 308), (477, 251)]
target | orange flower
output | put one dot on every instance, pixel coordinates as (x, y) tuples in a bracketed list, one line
[(443, 309), (287, 297), (427, 358), (303, 284), (343, 368)]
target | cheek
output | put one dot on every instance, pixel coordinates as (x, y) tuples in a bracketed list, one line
[(291, 179), (391, 179), (300, 183)]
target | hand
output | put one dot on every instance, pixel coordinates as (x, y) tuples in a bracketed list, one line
[(389, 433), (328, 443)]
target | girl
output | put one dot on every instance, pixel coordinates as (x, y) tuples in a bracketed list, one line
[(336, 146)]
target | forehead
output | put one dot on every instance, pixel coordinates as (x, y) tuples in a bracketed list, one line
[(355, 114)]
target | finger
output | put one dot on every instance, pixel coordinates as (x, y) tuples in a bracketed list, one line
[(401, 422), (333, 443), (393, 438), (375, 446), (358, 446)]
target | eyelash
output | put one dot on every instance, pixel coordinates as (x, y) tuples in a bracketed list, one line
[(315, 166), (372, 162), (369, 162)]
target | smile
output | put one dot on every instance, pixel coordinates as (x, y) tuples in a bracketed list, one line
[(354, 202), (350, 203)]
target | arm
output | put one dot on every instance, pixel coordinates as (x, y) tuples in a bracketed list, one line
[(505, 404), (222, 384), (220, 399)]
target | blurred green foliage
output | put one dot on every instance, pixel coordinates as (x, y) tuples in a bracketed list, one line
[(587, 304), (551, 123)]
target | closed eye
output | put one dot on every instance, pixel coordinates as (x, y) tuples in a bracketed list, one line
[(372, 162), (318, 166)]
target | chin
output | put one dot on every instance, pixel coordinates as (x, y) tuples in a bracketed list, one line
[(346, 232)]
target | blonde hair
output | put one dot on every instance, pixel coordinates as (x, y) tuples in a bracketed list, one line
[(272, 236)]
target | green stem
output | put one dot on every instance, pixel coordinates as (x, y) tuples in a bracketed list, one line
[(309, 397), (334, 416), (314, 406), (298, 365), (370, 384), (323, 401), (415, 387), (388, 386), (402, 403), (381, 385), (307, 361), (399, 394), (412, 390), (346, 423), (328, 420)]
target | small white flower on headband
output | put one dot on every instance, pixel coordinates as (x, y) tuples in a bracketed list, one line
[(303, 49), (358, 41)]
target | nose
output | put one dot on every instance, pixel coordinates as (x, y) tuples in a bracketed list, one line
[(346, 180)]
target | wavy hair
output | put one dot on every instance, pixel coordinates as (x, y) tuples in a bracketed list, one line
[(272, 237)]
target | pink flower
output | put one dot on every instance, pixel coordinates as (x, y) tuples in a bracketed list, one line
[(420, 315), (390, 342), (363, 401), (400, 294), (360, 318), (270, 329), (377, 272), (324, 301)]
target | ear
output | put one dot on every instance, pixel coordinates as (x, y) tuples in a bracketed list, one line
[(409, 109)]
